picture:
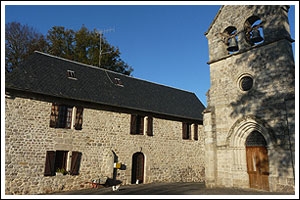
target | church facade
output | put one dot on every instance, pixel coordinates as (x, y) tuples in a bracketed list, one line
[(249, 122)]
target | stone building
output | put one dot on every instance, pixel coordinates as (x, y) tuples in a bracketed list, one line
[(96, 125), (104, 126), (249, 122)]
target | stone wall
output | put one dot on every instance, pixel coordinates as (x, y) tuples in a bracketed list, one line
[(105, 135), (232, 114)]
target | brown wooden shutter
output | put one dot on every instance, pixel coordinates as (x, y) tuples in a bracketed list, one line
[(50, 164), (195, 131), (150, 126), (54, 115), (75, 163), (184, 130), (133, 124), (141, 125), (79, 118)]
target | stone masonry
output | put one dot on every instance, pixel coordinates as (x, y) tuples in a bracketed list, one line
[(219, 156), (168, 158), (233, 114)]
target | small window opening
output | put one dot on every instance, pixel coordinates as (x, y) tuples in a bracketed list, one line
[(71, 74), (119, 82), (246, 83)]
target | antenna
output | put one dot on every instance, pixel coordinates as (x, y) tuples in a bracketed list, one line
[(100, 47)]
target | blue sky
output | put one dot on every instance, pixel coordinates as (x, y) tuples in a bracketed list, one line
[(163, 42)]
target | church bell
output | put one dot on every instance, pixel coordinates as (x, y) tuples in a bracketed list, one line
[(232, 44), (256, 36)]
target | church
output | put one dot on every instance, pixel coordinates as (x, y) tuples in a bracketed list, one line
[(249, 122), (70, 125)]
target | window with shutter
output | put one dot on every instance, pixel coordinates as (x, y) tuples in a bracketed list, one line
[(62, 117), (65, 116), (137, 125), (58, 160), (186, 131)]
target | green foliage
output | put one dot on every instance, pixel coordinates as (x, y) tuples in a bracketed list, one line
[(61, 170), (60, 42), (81, 46)]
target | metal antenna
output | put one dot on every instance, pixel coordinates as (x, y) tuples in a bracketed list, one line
[(100, 47)]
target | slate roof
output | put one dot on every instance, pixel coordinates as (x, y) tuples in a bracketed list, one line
[(46, 74)]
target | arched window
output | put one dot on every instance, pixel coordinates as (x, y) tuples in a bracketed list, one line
[(231, 40), (253, 30)]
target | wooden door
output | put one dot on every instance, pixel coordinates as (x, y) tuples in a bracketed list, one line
[(258, 167), (137, 168)]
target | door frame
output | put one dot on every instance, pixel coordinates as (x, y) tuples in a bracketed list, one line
[(138, 166), (257, 160)]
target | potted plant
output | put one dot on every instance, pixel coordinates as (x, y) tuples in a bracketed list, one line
[(61, 171)]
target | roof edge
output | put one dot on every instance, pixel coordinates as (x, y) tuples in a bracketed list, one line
[(18, 91), (215, 18)]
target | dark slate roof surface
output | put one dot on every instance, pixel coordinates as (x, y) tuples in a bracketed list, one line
[(46, 74)]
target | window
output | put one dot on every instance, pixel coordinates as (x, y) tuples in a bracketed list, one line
[(245, 82), (119, 82), (60, 159), (71, 74), (62, 116), (186, 131), (138, 122), (137, 125)]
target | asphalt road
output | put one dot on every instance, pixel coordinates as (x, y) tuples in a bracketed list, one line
[(170, 189)]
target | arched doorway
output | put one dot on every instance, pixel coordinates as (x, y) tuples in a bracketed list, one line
[(137, 168), (257, 161)]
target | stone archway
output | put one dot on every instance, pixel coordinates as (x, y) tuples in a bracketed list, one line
[(236, 141), (137, 175)]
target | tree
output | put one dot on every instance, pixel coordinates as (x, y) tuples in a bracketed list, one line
[(81, 46), (21, 41), (84, 46), (61, 42)]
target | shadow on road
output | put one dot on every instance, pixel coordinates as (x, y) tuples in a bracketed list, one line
[(170, 189)]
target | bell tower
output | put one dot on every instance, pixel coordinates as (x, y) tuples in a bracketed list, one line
[(249, 121)]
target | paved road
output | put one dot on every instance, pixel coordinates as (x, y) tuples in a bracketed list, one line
[(169, 189)]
